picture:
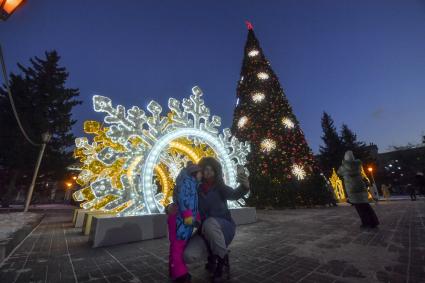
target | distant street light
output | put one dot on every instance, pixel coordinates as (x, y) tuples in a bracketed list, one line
[(370, 169), (8, 7)]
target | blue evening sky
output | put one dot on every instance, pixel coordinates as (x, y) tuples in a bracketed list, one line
[(363, 61)]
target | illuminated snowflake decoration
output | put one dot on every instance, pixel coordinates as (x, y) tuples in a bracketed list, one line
[(268, 145), (131, 165), (298, 171), (263, 76), (242, 122), (253, 53), (288, 123), (258, 97)]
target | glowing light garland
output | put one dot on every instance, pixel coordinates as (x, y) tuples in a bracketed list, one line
[(337, 186), (120, 166)]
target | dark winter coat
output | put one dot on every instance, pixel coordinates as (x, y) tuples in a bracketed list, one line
[(355, 186), (214, 204)]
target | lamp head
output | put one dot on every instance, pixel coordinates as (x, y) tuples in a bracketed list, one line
[(8, 7)]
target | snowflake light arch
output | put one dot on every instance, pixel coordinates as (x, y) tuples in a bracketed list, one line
[(131, 165)]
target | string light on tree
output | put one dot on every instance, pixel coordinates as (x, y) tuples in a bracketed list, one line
[(298, 171), (263, 76), (242, 122), (275, 148), (288, 123), (253, 53), (268, 145), (258, 97)]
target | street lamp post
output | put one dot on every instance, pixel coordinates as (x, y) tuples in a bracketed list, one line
[(45, 138), (68, 192), (374, 187)]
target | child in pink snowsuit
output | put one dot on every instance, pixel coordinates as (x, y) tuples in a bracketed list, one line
[(181, 223)]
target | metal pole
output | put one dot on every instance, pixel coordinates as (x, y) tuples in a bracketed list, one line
[(12, 103), (373, 179), (46, 138)]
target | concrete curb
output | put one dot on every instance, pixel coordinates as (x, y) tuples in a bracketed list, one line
[(8, 246)]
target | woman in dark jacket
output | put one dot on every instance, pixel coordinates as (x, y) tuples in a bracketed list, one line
[(218, 227), (356, 187)]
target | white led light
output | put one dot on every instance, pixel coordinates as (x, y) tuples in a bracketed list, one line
[(288, 123), (253, 53), (209, 139), (262, 76), (258, 97), (268, 145), (298, 171), (242, 122)]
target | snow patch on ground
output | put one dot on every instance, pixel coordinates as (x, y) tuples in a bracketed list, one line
[(14, 221)]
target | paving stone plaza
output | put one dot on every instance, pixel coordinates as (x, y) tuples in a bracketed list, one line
[(302, 245)]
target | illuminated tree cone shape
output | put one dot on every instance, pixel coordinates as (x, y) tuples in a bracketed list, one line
[(131, 165), (264, 118), (338, 186)]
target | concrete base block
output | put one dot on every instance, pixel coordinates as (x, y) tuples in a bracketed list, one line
[(108, 231), (88, 217), (78, 218), (244, 215)]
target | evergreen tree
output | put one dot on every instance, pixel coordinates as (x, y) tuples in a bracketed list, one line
[(332, 152), (350, 142), (280, 156), (44, 103)]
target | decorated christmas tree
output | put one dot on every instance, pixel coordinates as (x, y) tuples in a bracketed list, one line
[(280, 157)]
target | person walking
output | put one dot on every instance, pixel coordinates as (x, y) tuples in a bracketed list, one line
[(420, 183), (331, 200), (386, 191), (412, 191), (356, 187)]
